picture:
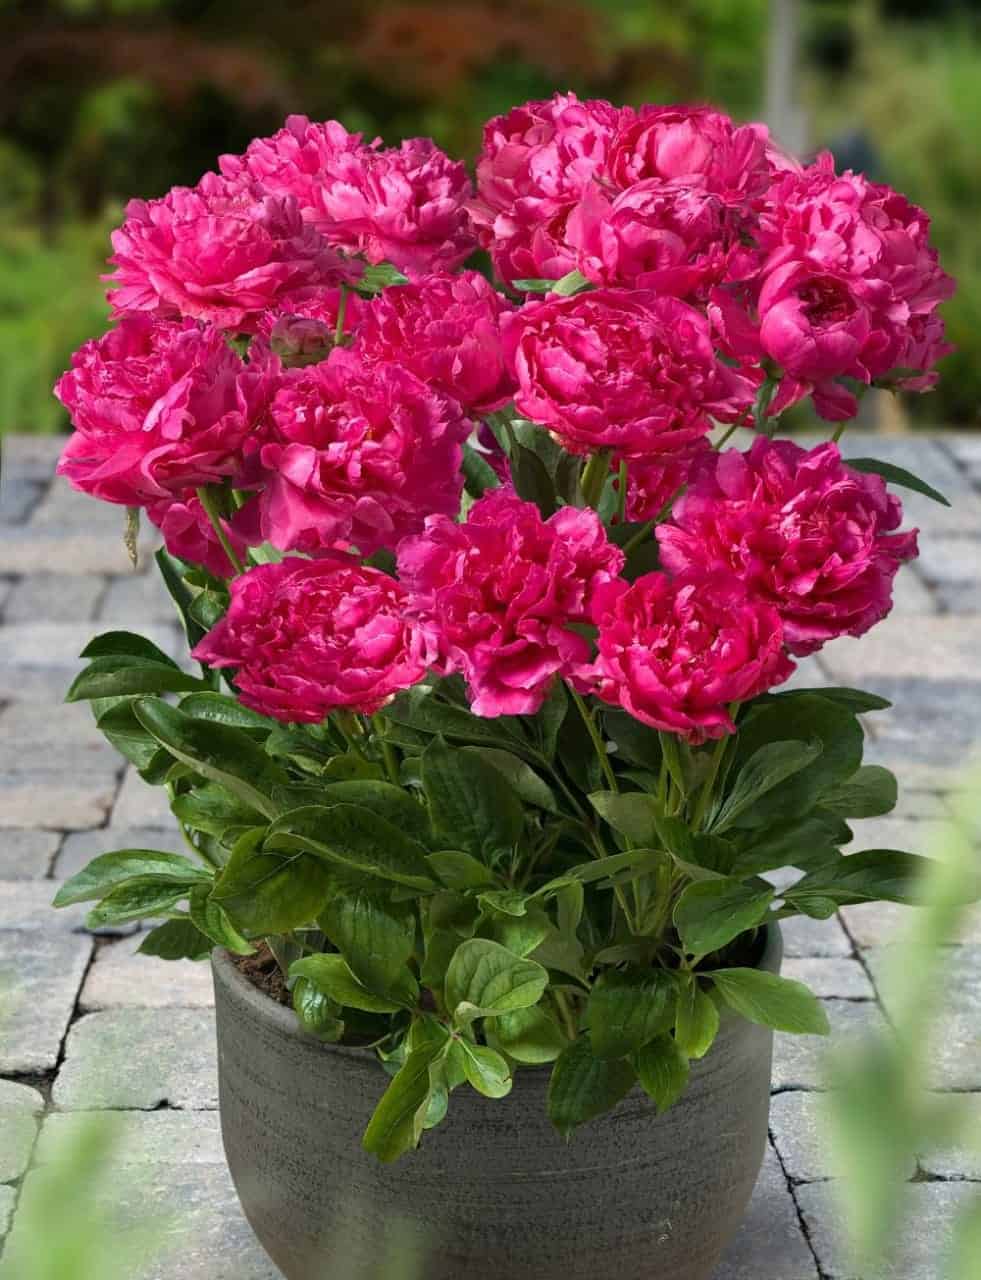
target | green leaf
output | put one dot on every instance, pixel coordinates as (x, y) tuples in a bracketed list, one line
[(470, 801), (119, 725), (633, 741), (550, 718), (398, 1120), (221, 709), (766, 768), (572, 282), (212, 809), (178, 939), (126, 643), (318, 1014), (478, 474), (484, 979), (632, 814), (377, 276), (120, 675), (111, 869), (531, 480), (218, 752), (421, 710), (375, 936), (521, 777), (583, 1086), (870, 792), (269, 892), (710, 913), (486, 1070), (530, 1035), (332, 975), (533, 285), (855, 700), (696, 1021), (459, 870), (797, 842), (356, 839), (662, 1070), (896, 475), (520, 935), (629, 1007), (887, 875), (386, 801), (772, 1001), (211, 918), (136, 899), (172, 571), (702, 856)]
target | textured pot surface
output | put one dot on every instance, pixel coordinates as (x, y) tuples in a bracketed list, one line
[(493, 1193)]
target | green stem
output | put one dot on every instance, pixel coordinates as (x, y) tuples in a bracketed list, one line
[(596, 738), (839, 432), (622, 490), (638, 537), (206, 496), (728, 435), (565, 1013), (388, 754), (593, 478), (341, 312)]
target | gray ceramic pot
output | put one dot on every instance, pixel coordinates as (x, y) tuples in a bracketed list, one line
[(493, 1193)]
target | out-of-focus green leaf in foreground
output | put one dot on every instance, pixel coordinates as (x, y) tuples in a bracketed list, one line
[(881, 1115)]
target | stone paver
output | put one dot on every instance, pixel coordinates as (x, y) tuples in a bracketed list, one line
[(121, 978), (40, 976), (962, 1161), (798, 1061), (169, 1056), (27, 855), (924, 1234), (140, 1032)]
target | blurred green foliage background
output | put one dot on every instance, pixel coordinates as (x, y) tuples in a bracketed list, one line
[(104, 99)]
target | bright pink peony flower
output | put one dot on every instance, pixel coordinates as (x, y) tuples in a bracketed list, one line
[(669, 237), (531, 241), (219, 252), (676, 654), (811, 324), (447, 330), (697, 145), (309, 636), (358, 454), (800, 530), (654, 479), (158, 407), (189, 535), (302, 327), (620, 369), (495, 597)]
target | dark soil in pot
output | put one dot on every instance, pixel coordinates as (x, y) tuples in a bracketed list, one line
[(493, 1193)]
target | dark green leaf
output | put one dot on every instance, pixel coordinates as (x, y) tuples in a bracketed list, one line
[(875, 875), (771, 1000), (385, 800), (485, 979), (270, 892), (178, 939), (118, 723), (126, 644), (854, 700), (478, 474), (768, 766), (119, 675), (897, 475), (633, 814), (421, 710), (218, 752), (112, 869), (356, 839), (583, 1086), (398, 1120), (520, 935), (172, 571), (221, 709), (710, 913), (633, 741), (696, 1019), (375, 936), (797, 842), (870, 792), (470, 801), (521, 777), (531, 480), (137, 899), (548, 722), (212, 809), (332, 975), (629, 1007), (211, 918), (459, 870), (662, 1070)]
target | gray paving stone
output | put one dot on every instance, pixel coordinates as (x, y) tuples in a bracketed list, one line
[(911, 596), (941, 646), (956, 1045), (927, 459), (18, 498), (803, 936), (56, 804), (137, 599), (142, 1137), (27, 757), (770, 1235), (917, 770), (924, 1237), (27, 855), (48, 548), (40, 976), (62, 505), (956, 1163), (959, 598), (830, 977), (54, 597), (8, 1198), (26, 905), (877, 924), (80, 847), (38, 660), (169, 1056), (140, 805), (20, 1099), (950, 560), (965, 447), (32, 457), (798, 1126), (121, 978), (17, 1134), (799, 1061), (201, 1231)]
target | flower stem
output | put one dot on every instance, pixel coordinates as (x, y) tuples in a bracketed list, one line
[(341, 311), (597, 741), (638, 537), (622, 490), (388, 755), (593, 477), (206, 496), (839, 432)]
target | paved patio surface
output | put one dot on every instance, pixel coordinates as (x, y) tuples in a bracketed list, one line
[(96, 1027)]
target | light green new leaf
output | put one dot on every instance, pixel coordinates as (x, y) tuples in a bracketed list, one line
[(583, 1086), (629, 1007), (766, 998), (530, 1036), (485, 1069), (696, 1019), (317, 1012), (710, 913), (662, 1069), (484, 979), (399, 1119)]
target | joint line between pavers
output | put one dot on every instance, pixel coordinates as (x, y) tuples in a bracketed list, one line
[(822, 1275)]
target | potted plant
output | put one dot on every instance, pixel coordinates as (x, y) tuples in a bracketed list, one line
[(489, 749)]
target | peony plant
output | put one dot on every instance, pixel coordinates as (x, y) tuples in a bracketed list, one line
[(495, 572)]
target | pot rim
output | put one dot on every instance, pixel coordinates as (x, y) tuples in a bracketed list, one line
[(285, 1022)]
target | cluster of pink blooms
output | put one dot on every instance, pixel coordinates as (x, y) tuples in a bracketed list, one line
[(250, 357)]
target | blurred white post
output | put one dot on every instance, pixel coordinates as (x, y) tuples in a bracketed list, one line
[(784, 115)]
